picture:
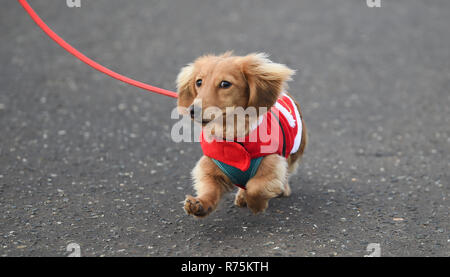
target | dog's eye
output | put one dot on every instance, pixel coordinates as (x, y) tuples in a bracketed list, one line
[(198, 83), (225, 84)]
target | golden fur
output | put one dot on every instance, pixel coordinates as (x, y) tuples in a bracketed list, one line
[(256, 82)]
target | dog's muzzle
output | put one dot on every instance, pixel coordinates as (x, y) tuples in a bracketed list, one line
[(196, 114)]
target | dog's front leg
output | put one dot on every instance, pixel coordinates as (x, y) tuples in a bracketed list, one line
[(210, 184), (270, 181)]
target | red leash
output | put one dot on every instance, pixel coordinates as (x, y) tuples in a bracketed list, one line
[(69, 48)]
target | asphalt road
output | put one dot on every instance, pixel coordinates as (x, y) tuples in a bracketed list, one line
[(85, 159)]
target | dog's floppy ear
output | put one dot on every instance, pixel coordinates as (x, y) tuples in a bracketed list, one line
[(185, 88), (265, 79)]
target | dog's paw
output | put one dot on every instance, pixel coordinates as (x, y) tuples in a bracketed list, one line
[(286, 190), (257, 208), (194, 206), (257, 204), (239, 200)]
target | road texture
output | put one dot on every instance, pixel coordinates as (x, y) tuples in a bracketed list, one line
[(85, 159)]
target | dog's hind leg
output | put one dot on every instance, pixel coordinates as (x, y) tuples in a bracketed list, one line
[(239, 199)]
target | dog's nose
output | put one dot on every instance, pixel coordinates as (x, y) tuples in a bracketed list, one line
[(195, 111)]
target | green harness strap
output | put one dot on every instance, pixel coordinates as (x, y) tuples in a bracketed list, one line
[(237, 176)]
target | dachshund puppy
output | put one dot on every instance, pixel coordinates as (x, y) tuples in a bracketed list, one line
[(256, 151)]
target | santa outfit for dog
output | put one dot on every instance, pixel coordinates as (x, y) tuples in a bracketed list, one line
[(279, 131)]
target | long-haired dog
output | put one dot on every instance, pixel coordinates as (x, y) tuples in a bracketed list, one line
[(259, 167)]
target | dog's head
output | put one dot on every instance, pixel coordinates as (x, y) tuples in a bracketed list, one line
[(225, 82)]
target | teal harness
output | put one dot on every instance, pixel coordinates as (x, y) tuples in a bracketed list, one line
[(237, 176)]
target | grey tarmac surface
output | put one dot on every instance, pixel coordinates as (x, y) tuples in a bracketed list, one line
[(85, 159)]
